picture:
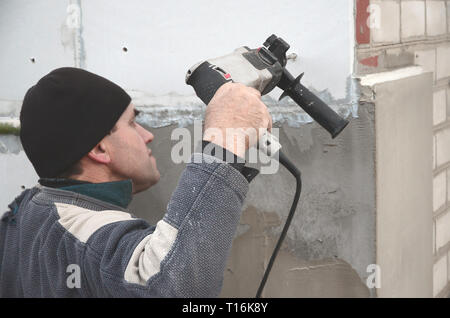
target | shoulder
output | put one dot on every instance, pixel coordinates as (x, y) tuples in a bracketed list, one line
[(82, 222)]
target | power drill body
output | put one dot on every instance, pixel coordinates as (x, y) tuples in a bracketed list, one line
[(256, 68), (263, 69)]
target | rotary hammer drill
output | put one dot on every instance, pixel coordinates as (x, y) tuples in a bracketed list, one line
[(264, 68)]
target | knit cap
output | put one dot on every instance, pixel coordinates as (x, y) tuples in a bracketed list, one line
[(65, 115)]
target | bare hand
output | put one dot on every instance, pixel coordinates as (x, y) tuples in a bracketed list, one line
[(236, 118)]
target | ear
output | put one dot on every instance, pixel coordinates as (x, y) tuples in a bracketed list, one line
[(99, 154)]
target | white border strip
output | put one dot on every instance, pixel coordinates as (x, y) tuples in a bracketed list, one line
[(15, 122), (373, 79)]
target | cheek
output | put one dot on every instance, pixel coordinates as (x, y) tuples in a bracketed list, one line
[(129, 148), (136, 146)]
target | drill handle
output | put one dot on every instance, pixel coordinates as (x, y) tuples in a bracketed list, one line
[(311, 104), (206, 79)]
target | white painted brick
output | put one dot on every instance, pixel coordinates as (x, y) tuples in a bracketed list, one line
[(442, 146), (442, 230), (443, 62), (448, 16), (389, 22), (439, 275), (436, 18), (413, 19), (439, 190), (448, 267), (439, 106), (434, 152), (448, 184), (448, 102), (426, 59), (434, 237)]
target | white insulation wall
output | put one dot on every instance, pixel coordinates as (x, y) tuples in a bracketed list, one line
[(147, 47)]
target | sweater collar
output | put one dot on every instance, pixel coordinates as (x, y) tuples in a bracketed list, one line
[(117, 192)]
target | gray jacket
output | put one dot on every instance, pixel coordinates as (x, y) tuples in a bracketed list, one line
[(59, 243)]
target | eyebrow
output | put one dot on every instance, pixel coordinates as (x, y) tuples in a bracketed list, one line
[(136, 113)]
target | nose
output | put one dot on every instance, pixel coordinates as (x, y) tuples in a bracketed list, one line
[(145, 134)]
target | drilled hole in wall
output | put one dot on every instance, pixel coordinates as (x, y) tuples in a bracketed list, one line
[(32, 59), (125, 49)]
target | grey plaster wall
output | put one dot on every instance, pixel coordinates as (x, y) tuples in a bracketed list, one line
[(332, 237)]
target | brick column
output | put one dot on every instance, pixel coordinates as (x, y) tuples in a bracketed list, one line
[(416, 32)]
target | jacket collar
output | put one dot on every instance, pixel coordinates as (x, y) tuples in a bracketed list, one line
[(117, 192)]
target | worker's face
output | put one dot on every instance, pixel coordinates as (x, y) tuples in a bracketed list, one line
[(129, 154)]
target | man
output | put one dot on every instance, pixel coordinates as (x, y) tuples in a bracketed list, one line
[(71, 235)]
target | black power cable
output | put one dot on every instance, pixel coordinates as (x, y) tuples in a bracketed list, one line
[(296, 173)]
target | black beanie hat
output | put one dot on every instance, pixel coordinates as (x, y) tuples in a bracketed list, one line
[(65, 115)]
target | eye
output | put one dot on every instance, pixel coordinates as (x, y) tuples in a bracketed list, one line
[(133, 121)]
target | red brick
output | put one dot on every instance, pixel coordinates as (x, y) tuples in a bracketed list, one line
[(362, 30), (370, 61)]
